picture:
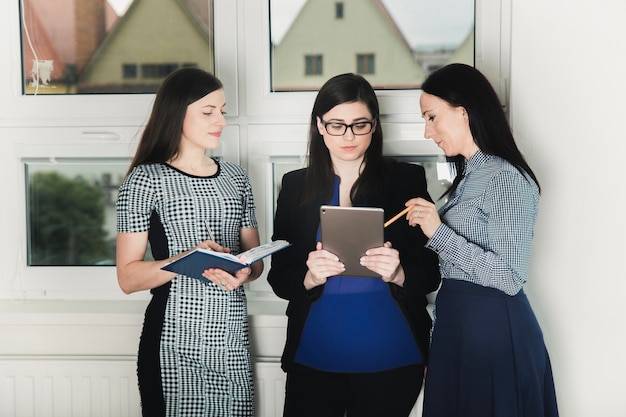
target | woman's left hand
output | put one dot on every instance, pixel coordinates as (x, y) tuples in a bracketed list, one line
[(385, 261), (226, 281)]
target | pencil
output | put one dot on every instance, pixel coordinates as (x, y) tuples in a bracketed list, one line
[(209, 231), (397, 216)]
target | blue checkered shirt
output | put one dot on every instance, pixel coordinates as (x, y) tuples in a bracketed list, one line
[(487, 230)]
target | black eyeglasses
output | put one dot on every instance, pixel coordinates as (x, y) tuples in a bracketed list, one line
[(357, 128)]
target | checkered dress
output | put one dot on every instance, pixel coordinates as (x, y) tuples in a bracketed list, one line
[(195, 334)]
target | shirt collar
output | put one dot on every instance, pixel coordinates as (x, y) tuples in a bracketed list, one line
[(476, 161)]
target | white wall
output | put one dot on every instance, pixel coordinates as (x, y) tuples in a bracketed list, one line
[(568, 110)]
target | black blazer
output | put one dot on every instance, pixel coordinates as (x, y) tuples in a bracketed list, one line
[(299, 225)]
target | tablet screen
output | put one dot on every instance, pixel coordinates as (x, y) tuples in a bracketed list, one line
[(349, 232)]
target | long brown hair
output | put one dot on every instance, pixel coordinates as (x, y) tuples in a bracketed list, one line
[(161, 138), (343, 88), (463, 85)]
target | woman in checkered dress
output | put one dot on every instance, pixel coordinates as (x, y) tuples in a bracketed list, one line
[(193, 355)]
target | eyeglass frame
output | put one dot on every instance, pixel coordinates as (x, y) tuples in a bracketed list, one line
[(372, 123)]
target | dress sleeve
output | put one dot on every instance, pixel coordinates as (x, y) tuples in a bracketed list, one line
[(248, 216), (135, 202)]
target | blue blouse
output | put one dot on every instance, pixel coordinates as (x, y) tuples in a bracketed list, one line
[(487, 230), (356, 326)]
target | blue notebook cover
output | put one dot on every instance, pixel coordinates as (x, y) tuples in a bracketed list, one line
[(194, 263)]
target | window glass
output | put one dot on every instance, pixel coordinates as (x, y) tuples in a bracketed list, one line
[(439, 175), (313, 64), (339, 10), (281, 166), (112, 46), (394, 43), (365, 64), (71, 216)]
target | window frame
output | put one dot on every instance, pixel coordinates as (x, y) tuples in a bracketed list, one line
[(81, 126), (17, 278), (95, 109), (262, 124), (492, 57)]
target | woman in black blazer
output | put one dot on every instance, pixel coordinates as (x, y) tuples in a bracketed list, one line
[(354, 344)]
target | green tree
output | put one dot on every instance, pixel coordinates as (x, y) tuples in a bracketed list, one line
[(66, 221)]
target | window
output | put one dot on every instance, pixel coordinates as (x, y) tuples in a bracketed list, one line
[(365, 64), (129, 71), (407, 37), (313, 64), (71, 216), (339, 10), (159, 71), (483, 36), (93, 88), (69, 46), (267, 110)]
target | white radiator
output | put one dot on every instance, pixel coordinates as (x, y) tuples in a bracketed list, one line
[(68, 387), (269, 381)]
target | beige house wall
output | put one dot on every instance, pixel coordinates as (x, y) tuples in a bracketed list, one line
[(151, 32), (465, 52)]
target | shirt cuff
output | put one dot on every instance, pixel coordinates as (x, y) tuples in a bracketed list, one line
[(440, 240)]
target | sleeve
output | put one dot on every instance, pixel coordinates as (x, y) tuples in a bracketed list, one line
[(288, 267), (510, 205), (135, 202), (248, 216)]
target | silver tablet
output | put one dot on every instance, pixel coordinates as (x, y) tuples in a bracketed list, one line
[(349, 232)]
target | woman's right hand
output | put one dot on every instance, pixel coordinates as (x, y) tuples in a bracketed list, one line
[(423, 213), (211, 245), (322, 264)]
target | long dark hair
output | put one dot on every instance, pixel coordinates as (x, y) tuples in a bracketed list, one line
[(463, 85), (343, 88), (161, 138)]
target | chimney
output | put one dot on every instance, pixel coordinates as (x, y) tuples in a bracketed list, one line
[(90, 29)]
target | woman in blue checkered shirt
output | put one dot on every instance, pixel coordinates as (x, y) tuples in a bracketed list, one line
[(488, 356)]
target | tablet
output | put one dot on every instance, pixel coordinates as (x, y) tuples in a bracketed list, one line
[(349, 232)]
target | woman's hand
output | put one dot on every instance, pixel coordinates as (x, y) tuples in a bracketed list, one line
[(219, 277), (226, 281), (385, 261), (423, 213), (211, 245), (322, 264)]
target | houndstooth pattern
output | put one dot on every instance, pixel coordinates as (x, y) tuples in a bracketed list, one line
[(204, 347)]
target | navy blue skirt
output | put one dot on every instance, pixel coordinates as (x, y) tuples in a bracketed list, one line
[(487, 357)]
